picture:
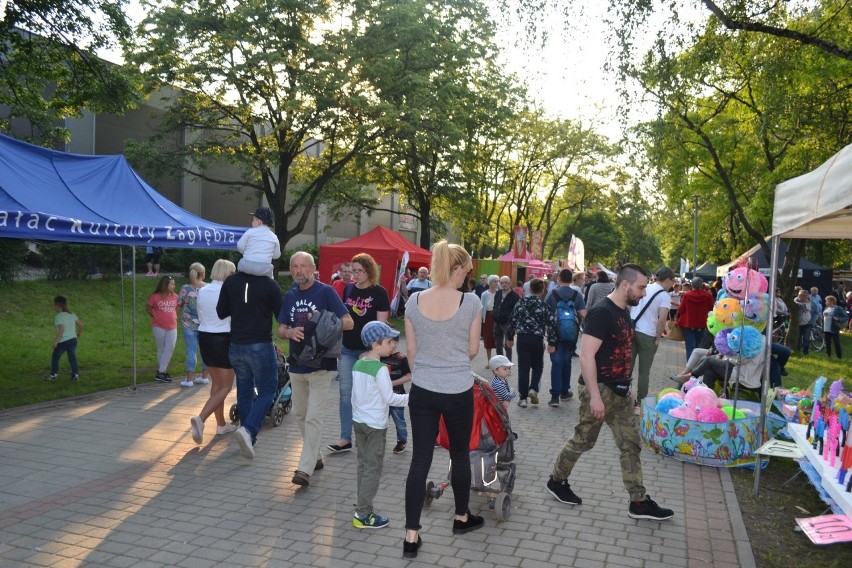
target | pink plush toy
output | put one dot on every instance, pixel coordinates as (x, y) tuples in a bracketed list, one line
[(742, 280), (692, 382), (701, 397), (676, 395), (684, 412), (712, 414)]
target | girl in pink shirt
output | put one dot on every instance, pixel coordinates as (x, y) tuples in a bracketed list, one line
[(162, 307)]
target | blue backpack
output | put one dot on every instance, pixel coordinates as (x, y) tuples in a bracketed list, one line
[(566, 313)]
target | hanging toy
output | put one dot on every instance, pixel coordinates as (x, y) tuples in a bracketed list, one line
[(742, 280), (728, 312), (721, 342), (747, 341), (756, 310)]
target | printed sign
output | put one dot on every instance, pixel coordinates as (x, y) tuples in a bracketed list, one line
[(827, 529)]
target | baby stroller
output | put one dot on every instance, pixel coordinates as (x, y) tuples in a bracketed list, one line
[(282, 402), (492, 449)]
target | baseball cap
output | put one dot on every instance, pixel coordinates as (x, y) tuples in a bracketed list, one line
[(376, 331), (499, 361), (265, 215)]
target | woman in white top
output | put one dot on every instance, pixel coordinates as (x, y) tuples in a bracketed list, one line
[(487, 317), (214, 338)]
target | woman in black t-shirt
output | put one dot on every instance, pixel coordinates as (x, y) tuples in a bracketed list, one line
[(366, 302)]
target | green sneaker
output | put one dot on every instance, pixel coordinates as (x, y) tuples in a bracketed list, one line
[(370, 521)]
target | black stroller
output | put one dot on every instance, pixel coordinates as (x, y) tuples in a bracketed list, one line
[(282, 402), (492, 449)]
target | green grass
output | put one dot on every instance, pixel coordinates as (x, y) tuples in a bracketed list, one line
[(805, 369), (105, 350)]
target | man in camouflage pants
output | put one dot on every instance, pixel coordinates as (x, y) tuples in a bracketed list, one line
[(605, 396)]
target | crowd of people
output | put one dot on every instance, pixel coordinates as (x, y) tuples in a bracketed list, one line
[(621, 317)]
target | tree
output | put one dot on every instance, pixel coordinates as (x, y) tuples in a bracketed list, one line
[(48, 67), (272, 89)]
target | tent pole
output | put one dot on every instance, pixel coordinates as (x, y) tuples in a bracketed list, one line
[(133, 316), (121, 275), (774, 245)]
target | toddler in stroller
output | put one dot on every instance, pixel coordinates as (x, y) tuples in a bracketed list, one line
[(492, 449), (282, 402)]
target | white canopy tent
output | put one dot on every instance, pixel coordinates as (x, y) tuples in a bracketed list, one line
[(815, 205)]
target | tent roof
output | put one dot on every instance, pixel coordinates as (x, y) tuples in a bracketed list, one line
[(382, 239), (818, 204), (763, 262), (528, 259), (55, 196)]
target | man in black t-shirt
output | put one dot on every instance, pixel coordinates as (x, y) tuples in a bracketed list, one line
[(605, 396)]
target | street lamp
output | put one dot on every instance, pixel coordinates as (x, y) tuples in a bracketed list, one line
[(694, 232)]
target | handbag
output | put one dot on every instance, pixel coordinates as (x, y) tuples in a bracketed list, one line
[(673, 331)]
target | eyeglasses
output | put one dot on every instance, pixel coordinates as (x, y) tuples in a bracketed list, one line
[(358, 271)]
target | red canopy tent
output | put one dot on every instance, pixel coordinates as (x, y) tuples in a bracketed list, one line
[(384, 245)]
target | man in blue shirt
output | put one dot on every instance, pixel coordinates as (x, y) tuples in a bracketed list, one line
[(310, 385)]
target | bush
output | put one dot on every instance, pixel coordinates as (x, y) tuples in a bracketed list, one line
[(178, 259), (12, 255), (69, 261)]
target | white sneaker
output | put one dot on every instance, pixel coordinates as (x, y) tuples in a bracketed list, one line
[(202, 381), (196, 426), (244, 442), (186, 383), (226, 429)]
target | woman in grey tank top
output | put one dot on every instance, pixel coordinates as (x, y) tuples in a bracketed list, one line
[(442, 327)]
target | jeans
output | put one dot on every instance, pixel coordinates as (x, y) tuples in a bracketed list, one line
[(347, 360), (70, 347), (256, 366), (779, 358), (692, 339), (500, 340), (560, 368), (190, 339), (426, 409), (530, 357), (805, 338), (398, 415)]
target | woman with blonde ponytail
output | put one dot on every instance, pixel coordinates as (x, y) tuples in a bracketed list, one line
[(188, 306), (442, 327)]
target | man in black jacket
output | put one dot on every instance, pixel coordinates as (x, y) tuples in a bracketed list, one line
[(504, 301)]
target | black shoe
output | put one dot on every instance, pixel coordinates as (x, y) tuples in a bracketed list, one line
[(568, 395), (784, 372), (562, 491), (472, 523), (75, 377), (554, 403), (160, 377), (648, 509), (319, 465), (399, 447), (337, 449), (409, 549)]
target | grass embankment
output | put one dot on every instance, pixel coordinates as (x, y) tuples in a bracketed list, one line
[(105, 350)]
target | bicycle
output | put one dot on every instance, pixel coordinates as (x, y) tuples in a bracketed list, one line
[(817, 335), (779, 330)]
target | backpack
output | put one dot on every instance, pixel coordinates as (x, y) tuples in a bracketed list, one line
[(323, 335), (566, 314)]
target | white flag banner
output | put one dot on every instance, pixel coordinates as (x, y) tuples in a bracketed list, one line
[(396, 299), (684, 266), (579, 255)]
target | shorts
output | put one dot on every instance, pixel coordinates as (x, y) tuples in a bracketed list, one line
[(153, 257), (214, 349)]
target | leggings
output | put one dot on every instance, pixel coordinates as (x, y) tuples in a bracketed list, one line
[(426, 408), (165, 340)]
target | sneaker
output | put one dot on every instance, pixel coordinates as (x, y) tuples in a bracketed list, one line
[(522, 403), (648, 509), (472, 523), (202, 381), (226, 429), (75, 377), (533, 396), (369, 521), (399, 447), (562, 491), (196, 426), (129, 273), (338, 449), (186, 383), (409, 549), (554, 402), (568, 395), (149, 273), (244, 442), (163, 378), (51, 377)]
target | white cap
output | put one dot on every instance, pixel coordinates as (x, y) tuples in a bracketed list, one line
[(499, 361)]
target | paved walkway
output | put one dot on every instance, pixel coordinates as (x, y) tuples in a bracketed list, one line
[(115, 480)]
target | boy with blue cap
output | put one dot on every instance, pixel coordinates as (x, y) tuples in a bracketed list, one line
[(372, 396)]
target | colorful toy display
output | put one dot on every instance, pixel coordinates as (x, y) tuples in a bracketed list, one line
[(828, 428)]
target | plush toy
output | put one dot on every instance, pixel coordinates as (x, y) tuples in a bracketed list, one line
[(692, 382), (714, 326), (712, 414), (701, 397), (684, 412), (756, 310), (728, 312), (729, 412), (819, 385), (724, 402), (743, 280), (666, 391), (721, 342), (677, 395), (835, 389), (666, 405), (746, 340)]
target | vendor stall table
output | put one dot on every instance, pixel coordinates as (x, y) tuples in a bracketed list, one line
[(828, 474)]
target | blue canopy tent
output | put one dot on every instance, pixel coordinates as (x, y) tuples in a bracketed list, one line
[(54, 196)]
